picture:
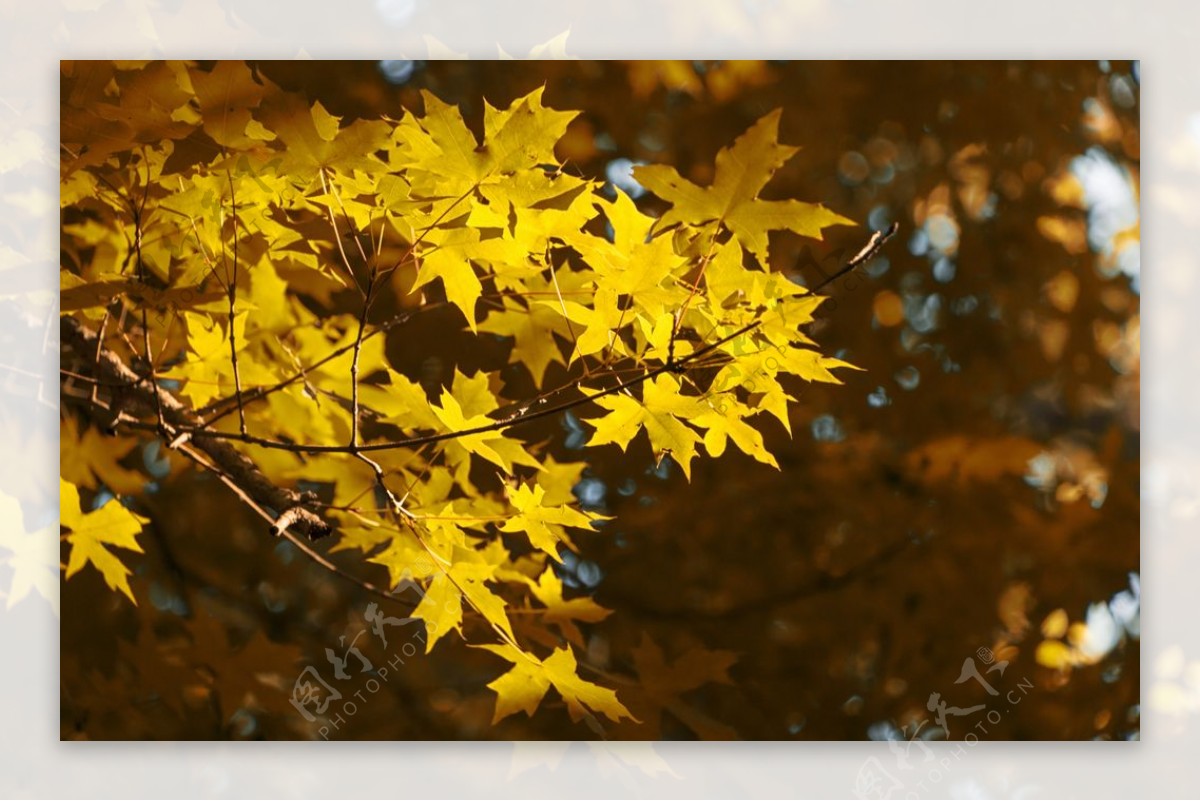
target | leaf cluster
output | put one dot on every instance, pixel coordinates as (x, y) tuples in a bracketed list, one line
[(232, 242)]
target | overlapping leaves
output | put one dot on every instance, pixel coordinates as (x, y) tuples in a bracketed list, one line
[(241, 219)]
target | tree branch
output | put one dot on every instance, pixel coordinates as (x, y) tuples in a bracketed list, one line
[(134, 393)]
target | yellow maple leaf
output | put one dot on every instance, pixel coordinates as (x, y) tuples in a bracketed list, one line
[(548, 589), (633, 263), (522, 688), (92, 533), (440, 608), (401, 402), (727, 423), (516, 138), (449, 259), (533, 327), (225, 96), (461, 577), (88, 459), (208, 371), (658, 412), (742, 170), (559, 479), (599, 322), (313, 140), (532, 330), (463, 408), (541, 522)]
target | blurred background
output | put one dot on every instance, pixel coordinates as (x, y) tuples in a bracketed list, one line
[(971, 496)]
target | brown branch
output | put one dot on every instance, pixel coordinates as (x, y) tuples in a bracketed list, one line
[(287, 510), (368, 297), (868, 252), (237, 378), (141, 274), (282, 525), (241, 470), (358, 340)]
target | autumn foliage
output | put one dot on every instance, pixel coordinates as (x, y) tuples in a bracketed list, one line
[(235, 259)]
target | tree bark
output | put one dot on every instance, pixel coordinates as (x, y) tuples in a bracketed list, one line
[(131, 392)]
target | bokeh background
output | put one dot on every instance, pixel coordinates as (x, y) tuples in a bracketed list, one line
[(972, 493)]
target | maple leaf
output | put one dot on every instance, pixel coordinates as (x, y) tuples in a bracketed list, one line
[(464, 578), (533, 327), (525, 214), (658, 412), (728, 424), (148, 102), (334, 333), (758, 372), (92, 533), (515, 138), (522, 688), (88, 459), (548, 589), (209, 370), (226, 95), (532, 330), (313, 139), (448, 258), (559, 480), (728, 283), (600, 322), (401, 402), (633, 263), (742, 170), (661, 686), (469, 414), (541, 522), (441, 609)]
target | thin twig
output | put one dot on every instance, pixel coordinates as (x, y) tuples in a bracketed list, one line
[(337, 237), (282, 526), (141, 272), (368, 296), (237, 378), (695, 288), (411, 249)]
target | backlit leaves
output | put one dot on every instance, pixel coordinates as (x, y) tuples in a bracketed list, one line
[(312, 139), (522, 688), (242, 219), (542, 523), (88, 458), (742, 170), (449, 161), (661, 412), (91, 535)]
